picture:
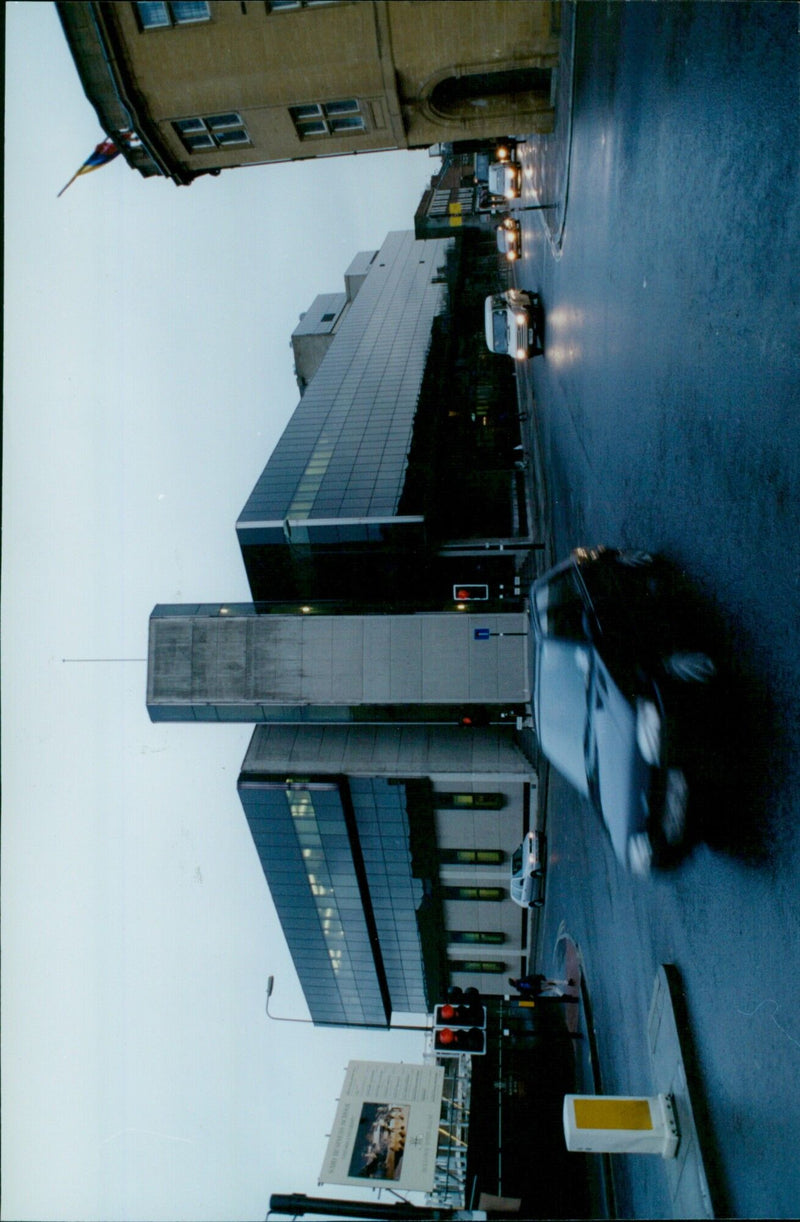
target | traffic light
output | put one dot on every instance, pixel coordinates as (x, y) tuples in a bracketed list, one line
[(470, 593), (459, 1028)]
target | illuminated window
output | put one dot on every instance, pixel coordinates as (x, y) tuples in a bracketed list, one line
[(327, 118), (477, 965), (159, 15), (473, 893), (471, 937), (471, 857), (219, 131), (288, 6), (469, 801)]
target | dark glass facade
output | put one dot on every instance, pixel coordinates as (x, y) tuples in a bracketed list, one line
[(402, 446), (336, 856), (335, 479)]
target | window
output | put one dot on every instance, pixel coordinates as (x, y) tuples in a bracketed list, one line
[(220, 131), (469, 801), (476, 965), (157, 15), (471, 857), (327, 118), (471, 937), (288, 6), (328, 317), (473, 893)]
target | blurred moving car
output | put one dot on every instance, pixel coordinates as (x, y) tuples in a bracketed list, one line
[(527, 872), (621, 688), (509, 239), (512, 323)]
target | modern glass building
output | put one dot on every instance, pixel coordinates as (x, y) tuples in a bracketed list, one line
[(396, 478), (333, 487), (387, 850), (336, 855)]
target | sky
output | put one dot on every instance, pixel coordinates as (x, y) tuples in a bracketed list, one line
[(148, 375)]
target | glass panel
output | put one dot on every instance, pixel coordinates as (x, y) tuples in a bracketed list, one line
[(309, 111), (189, 125), (354, 122), (152, 15), (348, 106), (313, 127), (184, 11), (203, 141), (239, 136), (231, 119)]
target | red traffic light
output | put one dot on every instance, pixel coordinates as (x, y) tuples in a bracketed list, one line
[(469, 593), (459, 1026), (462, 1039)]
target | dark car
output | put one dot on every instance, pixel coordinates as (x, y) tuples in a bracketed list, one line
[(621, 687)]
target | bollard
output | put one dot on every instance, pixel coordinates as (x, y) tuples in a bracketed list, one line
[(621, 1124)]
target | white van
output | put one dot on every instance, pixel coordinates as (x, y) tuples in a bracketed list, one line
[(505, 179), (511, 324)]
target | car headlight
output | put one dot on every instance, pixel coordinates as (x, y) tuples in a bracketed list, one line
[(521, 319), (521, 354), (640, 854), (511, 255), (648, 731)]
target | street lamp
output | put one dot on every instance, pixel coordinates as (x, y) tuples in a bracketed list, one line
[(279, 1018)]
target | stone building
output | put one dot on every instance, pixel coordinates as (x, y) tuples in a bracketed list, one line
[(193, 88)]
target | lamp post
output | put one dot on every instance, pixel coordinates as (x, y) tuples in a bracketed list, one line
[(280, 1018)]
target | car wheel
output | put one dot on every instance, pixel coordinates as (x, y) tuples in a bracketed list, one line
[(536, 903), (690, 667)]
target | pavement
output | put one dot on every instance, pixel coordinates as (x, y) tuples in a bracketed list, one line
[(546, 162)]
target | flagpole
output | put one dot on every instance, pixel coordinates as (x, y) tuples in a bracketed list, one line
[(69, 184)]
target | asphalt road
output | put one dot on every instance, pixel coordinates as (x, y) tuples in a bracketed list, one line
[(667, 403)]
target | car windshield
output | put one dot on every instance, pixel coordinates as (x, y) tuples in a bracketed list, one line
[(500, 330), (560, 606), (516, 861), (562, 681)]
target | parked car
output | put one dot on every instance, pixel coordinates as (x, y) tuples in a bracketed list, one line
[(527, 872), (509, 239), (512, 323), (622, 687)]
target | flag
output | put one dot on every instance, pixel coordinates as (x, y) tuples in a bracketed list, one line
[(105, 152)]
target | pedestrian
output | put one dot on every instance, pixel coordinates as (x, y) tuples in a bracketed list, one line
[(537, 985)]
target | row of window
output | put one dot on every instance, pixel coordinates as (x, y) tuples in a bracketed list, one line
[(474, 893), (494, 966), (164, 14), (471, 857), (228, 130)]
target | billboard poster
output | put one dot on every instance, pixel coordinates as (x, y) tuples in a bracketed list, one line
[(387, 1126)]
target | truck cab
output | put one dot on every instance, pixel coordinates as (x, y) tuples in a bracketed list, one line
[(510, 324)]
